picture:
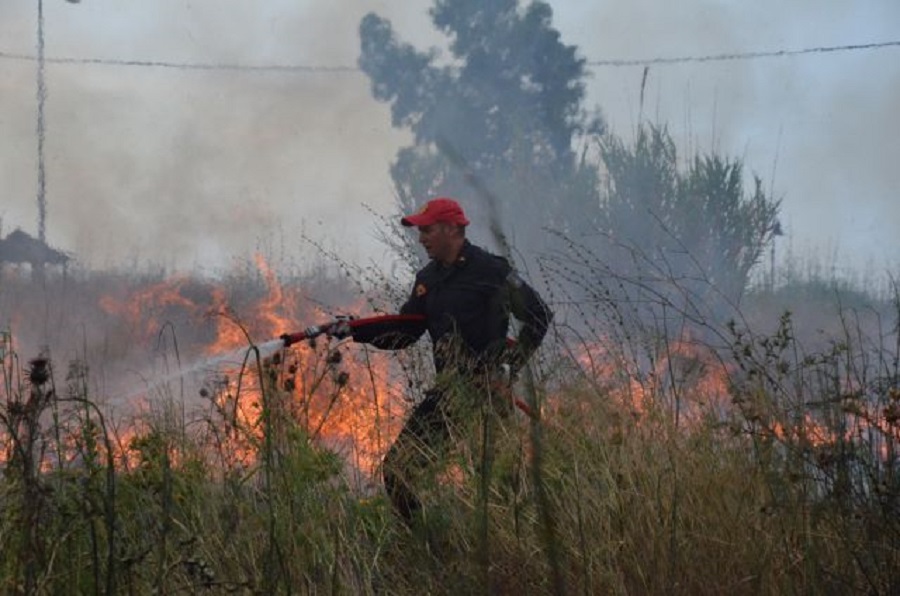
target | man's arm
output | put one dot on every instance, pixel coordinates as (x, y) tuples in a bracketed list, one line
[(395, 332), (527, 307)]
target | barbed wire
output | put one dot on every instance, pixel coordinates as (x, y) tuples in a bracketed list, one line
[(342, 69)]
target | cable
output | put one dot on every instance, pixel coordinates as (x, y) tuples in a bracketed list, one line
[(744, 55), (188, 65), (303, 68)]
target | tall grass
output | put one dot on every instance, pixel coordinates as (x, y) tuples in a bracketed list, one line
[(676, 460)]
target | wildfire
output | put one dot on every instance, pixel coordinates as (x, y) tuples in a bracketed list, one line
[(350, 398), (679, 370), (684, 374), (346, 403)]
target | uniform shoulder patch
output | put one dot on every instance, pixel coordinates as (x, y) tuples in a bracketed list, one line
[(421, 290)]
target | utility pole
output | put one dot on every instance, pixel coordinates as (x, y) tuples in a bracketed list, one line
[(776, 232), (41, 99)]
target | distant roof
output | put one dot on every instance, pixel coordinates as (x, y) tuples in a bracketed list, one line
[(21, 247)]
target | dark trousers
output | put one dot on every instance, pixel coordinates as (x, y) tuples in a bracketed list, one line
[(424, 440)]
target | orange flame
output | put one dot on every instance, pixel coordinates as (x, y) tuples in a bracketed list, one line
[(682, 369), (357, 417)]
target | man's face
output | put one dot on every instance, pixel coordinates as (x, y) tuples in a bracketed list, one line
[(438, 240)]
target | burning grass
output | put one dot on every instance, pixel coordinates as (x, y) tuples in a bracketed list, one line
[(671, 464)]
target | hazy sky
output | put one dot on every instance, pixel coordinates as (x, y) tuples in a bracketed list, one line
[(187, 168)]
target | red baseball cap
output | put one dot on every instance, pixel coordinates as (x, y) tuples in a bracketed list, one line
[(437, 210)]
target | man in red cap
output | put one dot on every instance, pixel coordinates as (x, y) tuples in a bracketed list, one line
[(442, 229), (466, 296)]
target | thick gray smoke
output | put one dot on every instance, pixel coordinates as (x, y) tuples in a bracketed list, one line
[(820, 128), (186, 168)]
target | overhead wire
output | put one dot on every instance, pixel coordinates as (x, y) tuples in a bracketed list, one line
[(185, 65), (744, 55), (341, 69)]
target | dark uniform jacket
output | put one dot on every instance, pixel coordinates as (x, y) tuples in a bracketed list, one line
[(467, 308)]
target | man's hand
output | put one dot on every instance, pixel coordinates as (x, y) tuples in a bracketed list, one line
[(339, 329)]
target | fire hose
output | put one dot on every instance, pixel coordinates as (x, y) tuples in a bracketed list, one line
[(343, 326)]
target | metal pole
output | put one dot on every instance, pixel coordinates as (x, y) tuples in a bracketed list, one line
[(772, 267), (41, 98)]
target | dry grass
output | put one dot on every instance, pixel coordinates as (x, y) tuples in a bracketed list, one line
[(786, 484)]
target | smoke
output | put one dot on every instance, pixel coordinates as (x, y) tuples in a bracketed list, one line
[(188, 168), (819, 129), (185, 167)]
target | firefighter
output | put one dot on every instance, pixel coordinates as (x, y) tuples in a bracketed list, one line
[(465, 296)]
